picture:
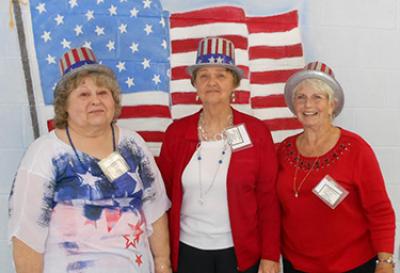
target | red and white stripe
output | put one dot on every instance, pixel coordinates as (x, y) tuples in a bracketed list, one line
[(74, 56), (319, 66), (275, 53)]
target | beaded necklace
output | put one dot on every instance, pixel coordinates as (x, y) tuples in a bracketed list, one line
[(202, 193)]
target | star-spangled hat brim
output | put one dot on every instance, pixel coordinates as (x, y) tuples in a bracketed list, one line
[(239, 72), (87, 67), (298, 77)]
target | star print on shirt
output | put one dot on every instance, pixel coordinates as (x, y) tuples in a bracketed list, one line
[(139, 260), (133, 238)]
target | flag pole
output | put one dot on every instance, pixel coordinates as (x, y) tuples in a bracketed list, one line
[(26, 67)]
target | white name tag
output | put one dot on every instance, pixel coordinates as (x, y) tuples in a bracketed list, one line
[(113, 166), (330, 192), (238, 138)]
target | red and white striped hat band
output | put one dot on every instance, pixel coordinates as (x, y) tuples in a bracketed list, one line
[(315, 70), (216, 47), (75, 58), (318, 66)]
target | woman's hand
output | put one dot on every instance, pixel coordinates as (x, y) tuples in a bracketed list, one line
[(268, 266), (162, 265), (384, 268)]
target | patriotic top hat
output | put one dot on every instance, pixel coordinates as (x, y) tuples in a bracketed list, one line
[(216, 51), (315, 70), (77, 60)]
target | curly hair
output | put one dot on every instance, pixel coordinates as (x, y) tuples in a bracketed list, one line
[(64, 89)]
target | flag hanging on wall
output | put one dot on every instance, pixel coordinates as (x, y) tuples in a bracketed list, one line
[(149, 48)]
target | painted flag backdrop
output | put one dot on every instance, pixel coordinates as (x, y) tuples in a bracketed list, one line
[(268, 49), (149, 49)]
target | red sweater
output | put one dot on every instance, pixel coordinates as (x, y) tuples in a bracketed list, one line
[(318, 239), (252, 201)]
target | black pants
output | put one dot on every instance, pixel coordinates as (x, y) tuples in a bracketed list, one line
[(194, 260), (368, 267)]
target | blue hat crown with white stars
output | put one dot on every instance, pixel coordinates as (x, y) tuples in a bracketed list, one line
[(216, 51)]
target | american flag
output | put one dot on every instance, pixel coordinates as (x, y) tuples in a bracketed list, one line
[(133, 38), (268, 49)]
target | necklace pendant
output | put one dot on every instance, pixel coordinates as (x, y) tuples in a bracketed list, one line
[(296, 194)]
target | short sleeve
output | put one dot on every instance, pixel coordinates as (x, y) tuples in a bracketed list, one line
[(30, 209), (31, 197)]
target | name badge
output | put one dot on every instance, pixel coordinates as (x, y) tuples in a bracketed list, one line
[(113, 166), (330, 192), (237, 137)]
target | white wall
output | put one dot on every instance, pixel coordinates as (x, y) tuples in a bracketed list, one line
[(15, 133), (360, 39)]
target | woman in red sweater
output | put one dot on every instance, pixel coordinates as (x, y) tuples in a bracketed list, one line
[(336, 215), (219, 167)]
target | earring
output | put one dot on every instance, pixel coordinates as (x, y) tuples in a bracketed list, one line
[(197, 98), (233, 97)]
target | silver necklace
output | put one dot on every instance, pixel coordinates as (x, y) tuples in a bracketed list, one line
[(202, 194), (205, 135)]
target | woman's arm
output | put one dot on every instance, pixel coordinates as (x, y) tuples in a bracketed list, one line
[(26, 259), (159, 244)]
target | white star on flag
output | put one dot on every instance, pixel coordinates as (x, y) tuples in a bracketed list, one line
[(130, 82), (134, 47), (50, 59), (134, 12), (78, 30), (87, 44), (59, 19), (146, 63), (162, 22), (156, 79), (113, 10), (110, 45), (99, 1), (148, 29), (89, 15), (73, 3), (99, 31), (46, 36), (164, 44), (121, 66), (41, 7), (65, 43), (122, 28), (146, 4)]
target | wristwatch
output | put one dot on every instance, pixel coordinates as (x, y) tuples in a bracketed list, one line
[(386, 261)]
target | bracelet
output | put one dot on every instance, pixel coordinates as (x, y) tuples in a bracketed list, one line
[(386, 261)]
